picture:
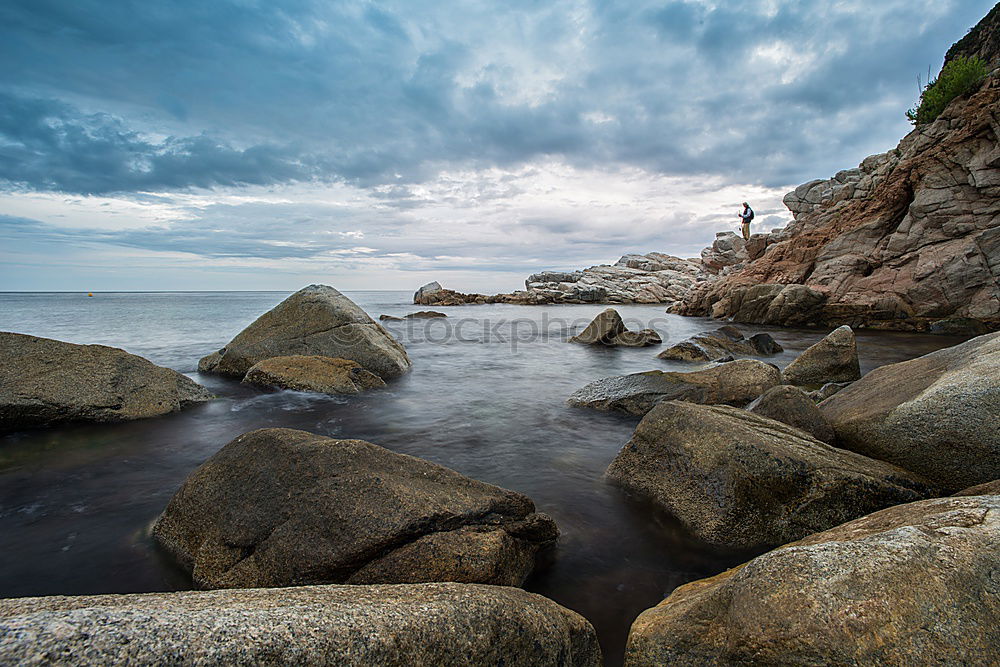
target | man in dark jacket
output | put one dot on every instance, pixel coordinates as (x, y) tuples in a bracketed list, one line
[(747, 216)]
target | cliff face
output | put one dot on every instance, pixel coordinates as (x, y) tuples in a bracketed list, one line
[(983, 41), (910, 236)]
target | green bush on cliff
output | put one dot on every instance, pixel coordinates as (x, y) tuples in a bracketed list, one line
[(956, 78)]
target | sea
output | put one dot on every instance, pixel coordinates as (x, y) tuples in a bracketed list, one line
[(486, 397)]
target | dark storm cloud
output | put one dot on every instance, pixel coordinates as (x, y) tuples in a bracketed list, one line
[(127, 96)]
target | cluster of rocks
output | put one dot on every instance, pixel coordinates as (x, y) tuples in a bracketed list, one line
[(746, 459), (723, 344), (316, 340), (651, 278)]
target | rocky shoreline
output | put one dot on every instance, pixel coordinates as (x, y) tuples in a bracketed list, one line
[(875, 499)]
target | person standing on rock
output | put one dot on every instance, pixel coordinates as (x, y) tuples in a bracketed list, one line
[(747, 216)]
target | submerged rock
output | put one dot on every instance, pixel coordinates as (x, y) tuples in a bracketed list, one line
[(641, 338), (832, 359), (279, 507), (723, 342), (936, 415), (316, 320), (740, 480), (909, 585), (45, 382), (424, 315), (790, 405), (360, 626), (324, 375), (734, 383)]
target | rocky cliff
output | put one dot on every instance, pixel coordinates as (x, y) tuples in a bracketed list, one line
[(908, 237)]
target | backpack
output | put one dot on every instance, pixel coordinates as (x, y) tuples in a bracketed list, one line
[(750, 217)]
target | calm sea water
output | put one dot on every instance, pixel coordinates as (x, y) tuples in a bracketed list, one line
[(486, 397)]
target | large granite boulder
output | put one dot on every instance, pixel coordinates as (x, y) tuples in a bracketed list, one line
[(45, 382), (602, 330), (728, 249), (740, 480), (936, 415), (723, 342), (316, 320), (324, 375), (987, 489), (790, 405), (640, 338), (279, 507), (832, 359), (914, 584), (424, 625), (733, 383)]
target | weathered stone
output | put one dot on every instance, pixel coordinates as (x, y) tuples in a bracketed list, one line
[(424, 625), (741, 480), (987, 489), (45, 382), (316, 320), (914, 584), (790, 405), (727, 250), (958, 326), (279, 507), (826, 391), (602, 330), (832, 359), (324, 375), (935, 415), (734, 383), (389, 318), (426, 292), (714, 345), (424, 315), (641, 338)]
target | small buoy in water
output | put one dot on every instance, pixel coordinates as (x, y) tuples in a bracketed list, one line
[(90, 294)]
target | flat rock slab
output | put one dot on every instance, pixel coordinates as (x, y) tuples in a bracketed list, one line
[(735, 383), (45, 382), (280, 507), (324, 375), (938, 415), (914, 584), (360, 626), (740, 480), (316, 320)]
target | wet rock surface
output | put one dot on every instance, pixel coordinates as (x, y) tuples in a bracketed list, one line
[(280, 507), (316, 320), (913, 584), (744, 481), (45, 382), (325, 375), (734, 383)]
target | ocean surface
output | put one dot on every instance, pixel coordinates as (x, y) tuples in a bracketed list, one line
[(486, 397)]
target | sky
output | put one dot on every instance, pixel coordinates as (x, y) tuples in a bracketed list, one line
[(266, 145)]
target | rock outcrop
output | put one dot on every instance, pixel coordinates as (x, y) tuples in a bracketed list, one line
[(723, 342), (727, 252), (790, 405), (423, 625), (907, 238), (740, 480), (651, 278), (832, 359), (733, 383), (279, 507), (324, 375), (608, 329), (936, 415), (45, 382), (914, 584), (316, 320)]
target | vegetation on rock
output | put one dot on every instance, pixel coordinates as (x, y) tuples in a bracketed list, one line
[(957, 77)]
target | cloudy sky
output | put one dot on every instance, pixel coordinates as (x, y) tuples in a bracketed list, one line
[(267, 144)]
